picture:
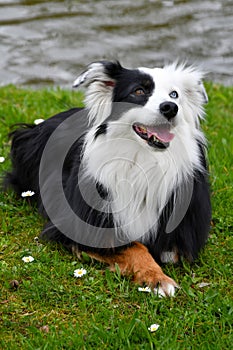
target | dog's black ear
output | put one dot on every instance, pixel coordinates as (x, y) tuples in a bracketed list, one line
[(203, 92), (105, 72)]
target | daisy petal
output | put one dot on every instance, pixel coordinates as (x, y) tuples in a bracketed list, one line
[(27, 259), (144, 289), (153, 328), (27, 194), (79, 272), (38, 121)]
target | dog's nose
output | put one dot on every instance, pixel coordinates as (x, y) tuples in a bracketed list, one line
[(168, 109)]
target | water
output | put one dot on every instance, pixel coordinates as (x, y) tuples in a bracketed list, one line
[(50, 42)]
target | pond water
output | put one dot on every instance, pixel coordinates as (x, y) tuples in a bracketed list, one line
[(50, 42)]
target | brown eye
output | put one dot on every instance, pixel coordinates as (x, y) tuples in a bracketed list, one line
[(139, 92)]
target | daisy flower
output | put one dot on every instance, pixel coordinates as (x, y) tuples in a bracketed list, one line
[(2, 159), (144, 289), (27, 259), (79, 272), (38, 121), (153, 327), (27, 194)]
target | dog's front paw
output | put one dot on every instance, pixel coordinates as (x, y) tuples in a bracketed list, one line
[(166, 287), (161, 284)]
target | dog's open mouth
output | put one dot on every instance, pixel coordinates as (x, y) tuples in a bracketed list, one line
[(158, 136)]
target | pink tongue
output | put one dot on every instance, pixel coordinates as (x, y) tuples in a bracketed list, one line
[(161, 132)]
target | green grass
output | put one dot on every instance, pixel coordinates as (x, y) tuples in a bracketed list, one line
[(51, 309)]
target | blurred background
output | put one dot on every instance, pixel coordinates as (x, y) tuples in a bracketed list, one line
[(46, 42)]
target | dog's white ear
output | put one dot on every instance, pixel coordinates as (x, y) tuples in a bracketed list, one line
[(203, 92), (96, 71)]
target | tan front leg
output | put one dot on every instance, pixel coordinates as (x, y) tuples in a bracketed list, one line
[(136, 261)]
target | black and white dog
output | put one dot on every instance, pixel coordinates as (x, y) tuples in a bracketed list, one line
[(135, 176)]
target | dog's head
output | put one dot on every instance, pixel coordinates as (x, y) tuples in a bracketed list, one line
[(166, 98)]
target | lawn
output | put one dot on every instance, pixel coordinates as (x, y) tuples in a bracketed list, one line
[(43, 306)]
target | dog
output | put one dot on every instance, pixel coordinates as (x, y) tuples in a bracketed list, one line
[(124, 179)]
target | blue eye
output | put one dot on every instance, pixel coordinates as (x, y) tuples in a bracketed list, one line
[(174, 94)]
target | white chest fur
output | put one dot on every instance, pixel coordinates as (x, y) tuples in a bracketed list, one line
[(138, 178)]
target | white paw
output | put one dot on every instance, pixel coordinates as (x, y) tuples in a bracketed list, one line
[(165, 289)]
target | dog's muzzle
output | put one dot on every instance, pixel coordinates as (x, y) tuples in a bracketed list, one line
[(158, 136)]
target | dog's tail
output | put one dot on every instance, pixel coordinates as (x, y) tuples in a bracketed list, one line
[(24, 157), (28, 144)]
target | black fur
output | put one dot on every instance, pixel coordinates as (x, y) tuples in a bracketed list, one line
[(191, 234), (28, 143), (102, 129), (128, 80), (27, 147)]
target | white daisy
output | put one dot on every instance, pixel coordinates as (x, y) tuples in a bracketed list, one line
[(27, 259), (38, 121), (144, 289), (79, 272), (2, 159), (153, 327), (27, 194)]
